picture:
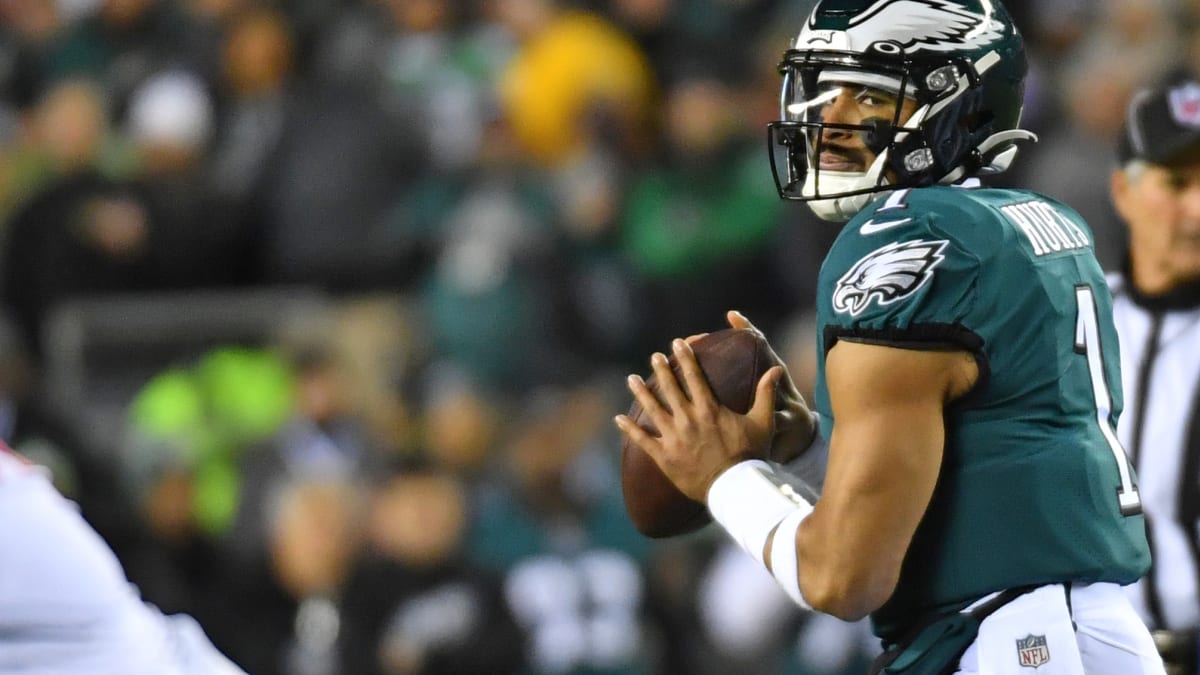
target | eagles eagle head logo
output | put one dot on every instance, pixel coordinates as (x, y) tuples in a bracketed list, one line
[(887, 274), (913, 25)]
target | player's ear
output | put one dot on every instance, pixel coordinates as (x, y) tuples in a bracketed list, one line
[(1119, 184)]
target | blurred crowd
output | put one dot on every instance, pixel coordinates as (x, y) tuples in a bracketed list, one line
[(493, 210)]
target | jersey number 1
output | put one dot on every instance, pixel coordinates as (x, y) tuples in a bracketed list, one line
[(1087, 342)]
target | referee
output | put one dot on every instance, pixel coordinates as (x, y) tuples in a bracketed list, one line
[(1156, 306)]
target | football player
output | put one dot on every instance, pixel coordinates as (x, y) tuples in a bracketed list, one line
[(976, 504), (65, 604)]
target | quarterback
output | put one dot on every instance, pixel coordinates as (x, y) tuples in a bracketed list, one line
[(976, 503)]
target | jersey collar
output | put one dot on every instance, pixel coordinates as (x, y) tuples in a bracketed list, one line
[(1184, 297)]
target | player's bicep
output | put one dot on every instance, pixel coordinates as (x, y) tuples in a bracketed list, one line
[(884, 459)]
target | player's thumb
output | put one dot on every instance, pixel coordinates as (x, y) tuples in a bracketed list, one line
[(764, 395), (738, 320)]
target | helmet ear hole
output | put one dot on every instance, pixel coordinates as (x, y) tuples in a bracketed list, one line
[(978, 120)]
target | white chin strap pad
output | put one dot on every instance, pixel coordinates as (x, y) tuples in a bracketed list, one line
[(840, 209)]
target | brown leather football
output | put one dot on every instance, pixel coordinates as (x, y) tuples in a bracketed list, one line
[(733, 362)]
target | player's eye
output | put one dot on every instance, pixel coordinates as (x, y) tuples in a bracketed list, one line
[(1177, 181), (874, 98)]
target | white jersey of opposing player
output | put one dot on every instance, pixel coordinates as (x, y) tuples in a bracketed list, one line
[(65, 603)]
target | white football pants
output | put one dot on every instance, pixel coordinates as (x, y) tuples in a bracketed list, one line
[(1098, 633)]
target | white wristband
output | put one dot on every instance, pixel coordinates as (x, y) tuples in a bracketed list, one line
[(748, 502), (785, 560)]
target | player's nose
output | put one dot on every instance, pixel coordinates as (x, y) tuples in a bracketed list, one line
[(840, 110), (1189, 202)]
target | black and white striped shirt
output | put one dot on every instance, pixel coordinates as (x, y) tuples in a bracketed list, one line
[(1160, 429)]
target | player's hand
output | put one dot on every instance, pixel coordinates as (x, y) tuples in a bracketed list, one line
[(794, 423), (699, 437)]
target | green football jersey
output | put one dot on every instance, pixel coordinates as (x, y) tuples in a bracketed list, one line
[(1034, 487)]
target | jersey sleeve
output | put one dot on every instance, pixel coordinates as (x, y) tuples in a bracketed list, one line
[(914, 288)]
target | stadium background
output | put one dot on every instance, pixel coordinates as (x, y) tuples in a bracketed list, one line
[(320, 308)]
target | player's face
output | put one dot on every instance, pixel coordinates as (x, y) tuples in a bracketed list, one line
[(1162, 209), (844, 103)]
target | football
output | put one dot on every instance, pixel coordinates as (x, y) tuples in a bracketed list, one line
[(733, 361)]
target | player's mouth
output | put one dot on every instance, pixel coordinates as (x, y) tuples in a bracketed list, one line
[(841, 159)]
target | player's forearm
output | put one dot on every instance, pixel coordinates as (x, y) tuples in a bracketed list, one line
[(852, 546), (836, 576)]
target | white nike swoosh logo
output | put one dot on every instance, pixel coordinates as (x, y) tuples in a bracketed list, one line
[(871, 227)]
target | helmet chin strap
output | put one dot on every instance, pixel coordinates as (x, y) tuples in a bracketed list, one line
[(841, 209)]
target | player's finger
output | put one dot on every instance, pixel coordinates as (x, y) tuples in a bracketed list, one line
[(738, 320), (636, 433), (669, 388), (764, 396), (689, 367), (652, 408), (691, 339)]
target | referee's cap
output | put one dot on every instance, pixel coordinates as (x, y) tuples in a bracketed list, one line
[(1162, 125)]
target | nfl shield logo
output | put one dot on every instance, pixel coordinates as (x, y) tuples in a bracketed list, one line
[(1032, 651), (1185, 105)]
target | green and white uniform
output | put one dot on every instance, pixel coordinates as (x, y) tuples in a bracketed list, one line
[(1034, 487)]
